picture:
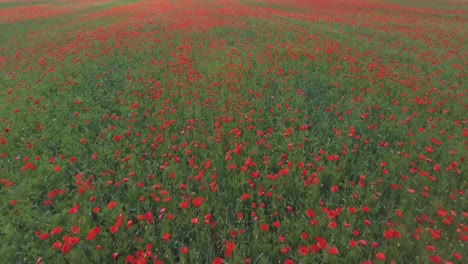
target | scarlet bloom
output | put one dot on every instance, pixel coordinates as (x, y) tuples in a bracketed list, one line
[(166, 237), (56, 245), (333, 251), (230, 246), (113, 229), (73, 240), (218, 260), (184, 250), (310, 213), (314, 248), (75, 230), (334, 188), (184, 205), (391, 233), (44, 236), (197, 202), (92, 233), (435, 259), (111, 205), (207, 164), (322, 243), (399, 213), (233, 233), (56, 230), (367, 222), (304, 250), (65, 248), (129, 223), (430, 248), (245, 197), (380, 256), (73, 210), (264, 227), (365, 209)]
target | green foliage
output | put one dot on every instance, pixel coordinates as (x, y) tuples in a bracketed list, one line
[(139, 129)]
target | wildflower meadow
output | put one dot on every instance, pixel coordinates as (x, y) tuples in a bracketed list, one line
[(233, 131)]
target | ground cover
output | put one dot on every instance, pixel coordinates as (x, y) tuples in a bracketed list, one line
[(233, 131)]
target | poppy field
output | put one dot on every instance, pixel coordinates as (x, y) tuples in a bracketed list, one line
[(233, 131)]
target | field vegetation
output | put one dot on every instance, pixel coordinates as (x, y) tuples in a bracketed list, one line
[(233, 131)]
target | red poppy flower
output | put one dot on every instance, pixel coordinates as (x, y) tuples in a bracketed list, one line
[(197, 202), (217, 260), (166, 237), (113, 229), (56, 230), (322, 243), (303, 250), (65, 249), (184, 250), (263, 227), (380, 256), (333, 251)]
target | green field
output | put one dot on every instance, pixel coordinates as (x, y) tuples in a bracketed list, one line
[(233, 131)]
